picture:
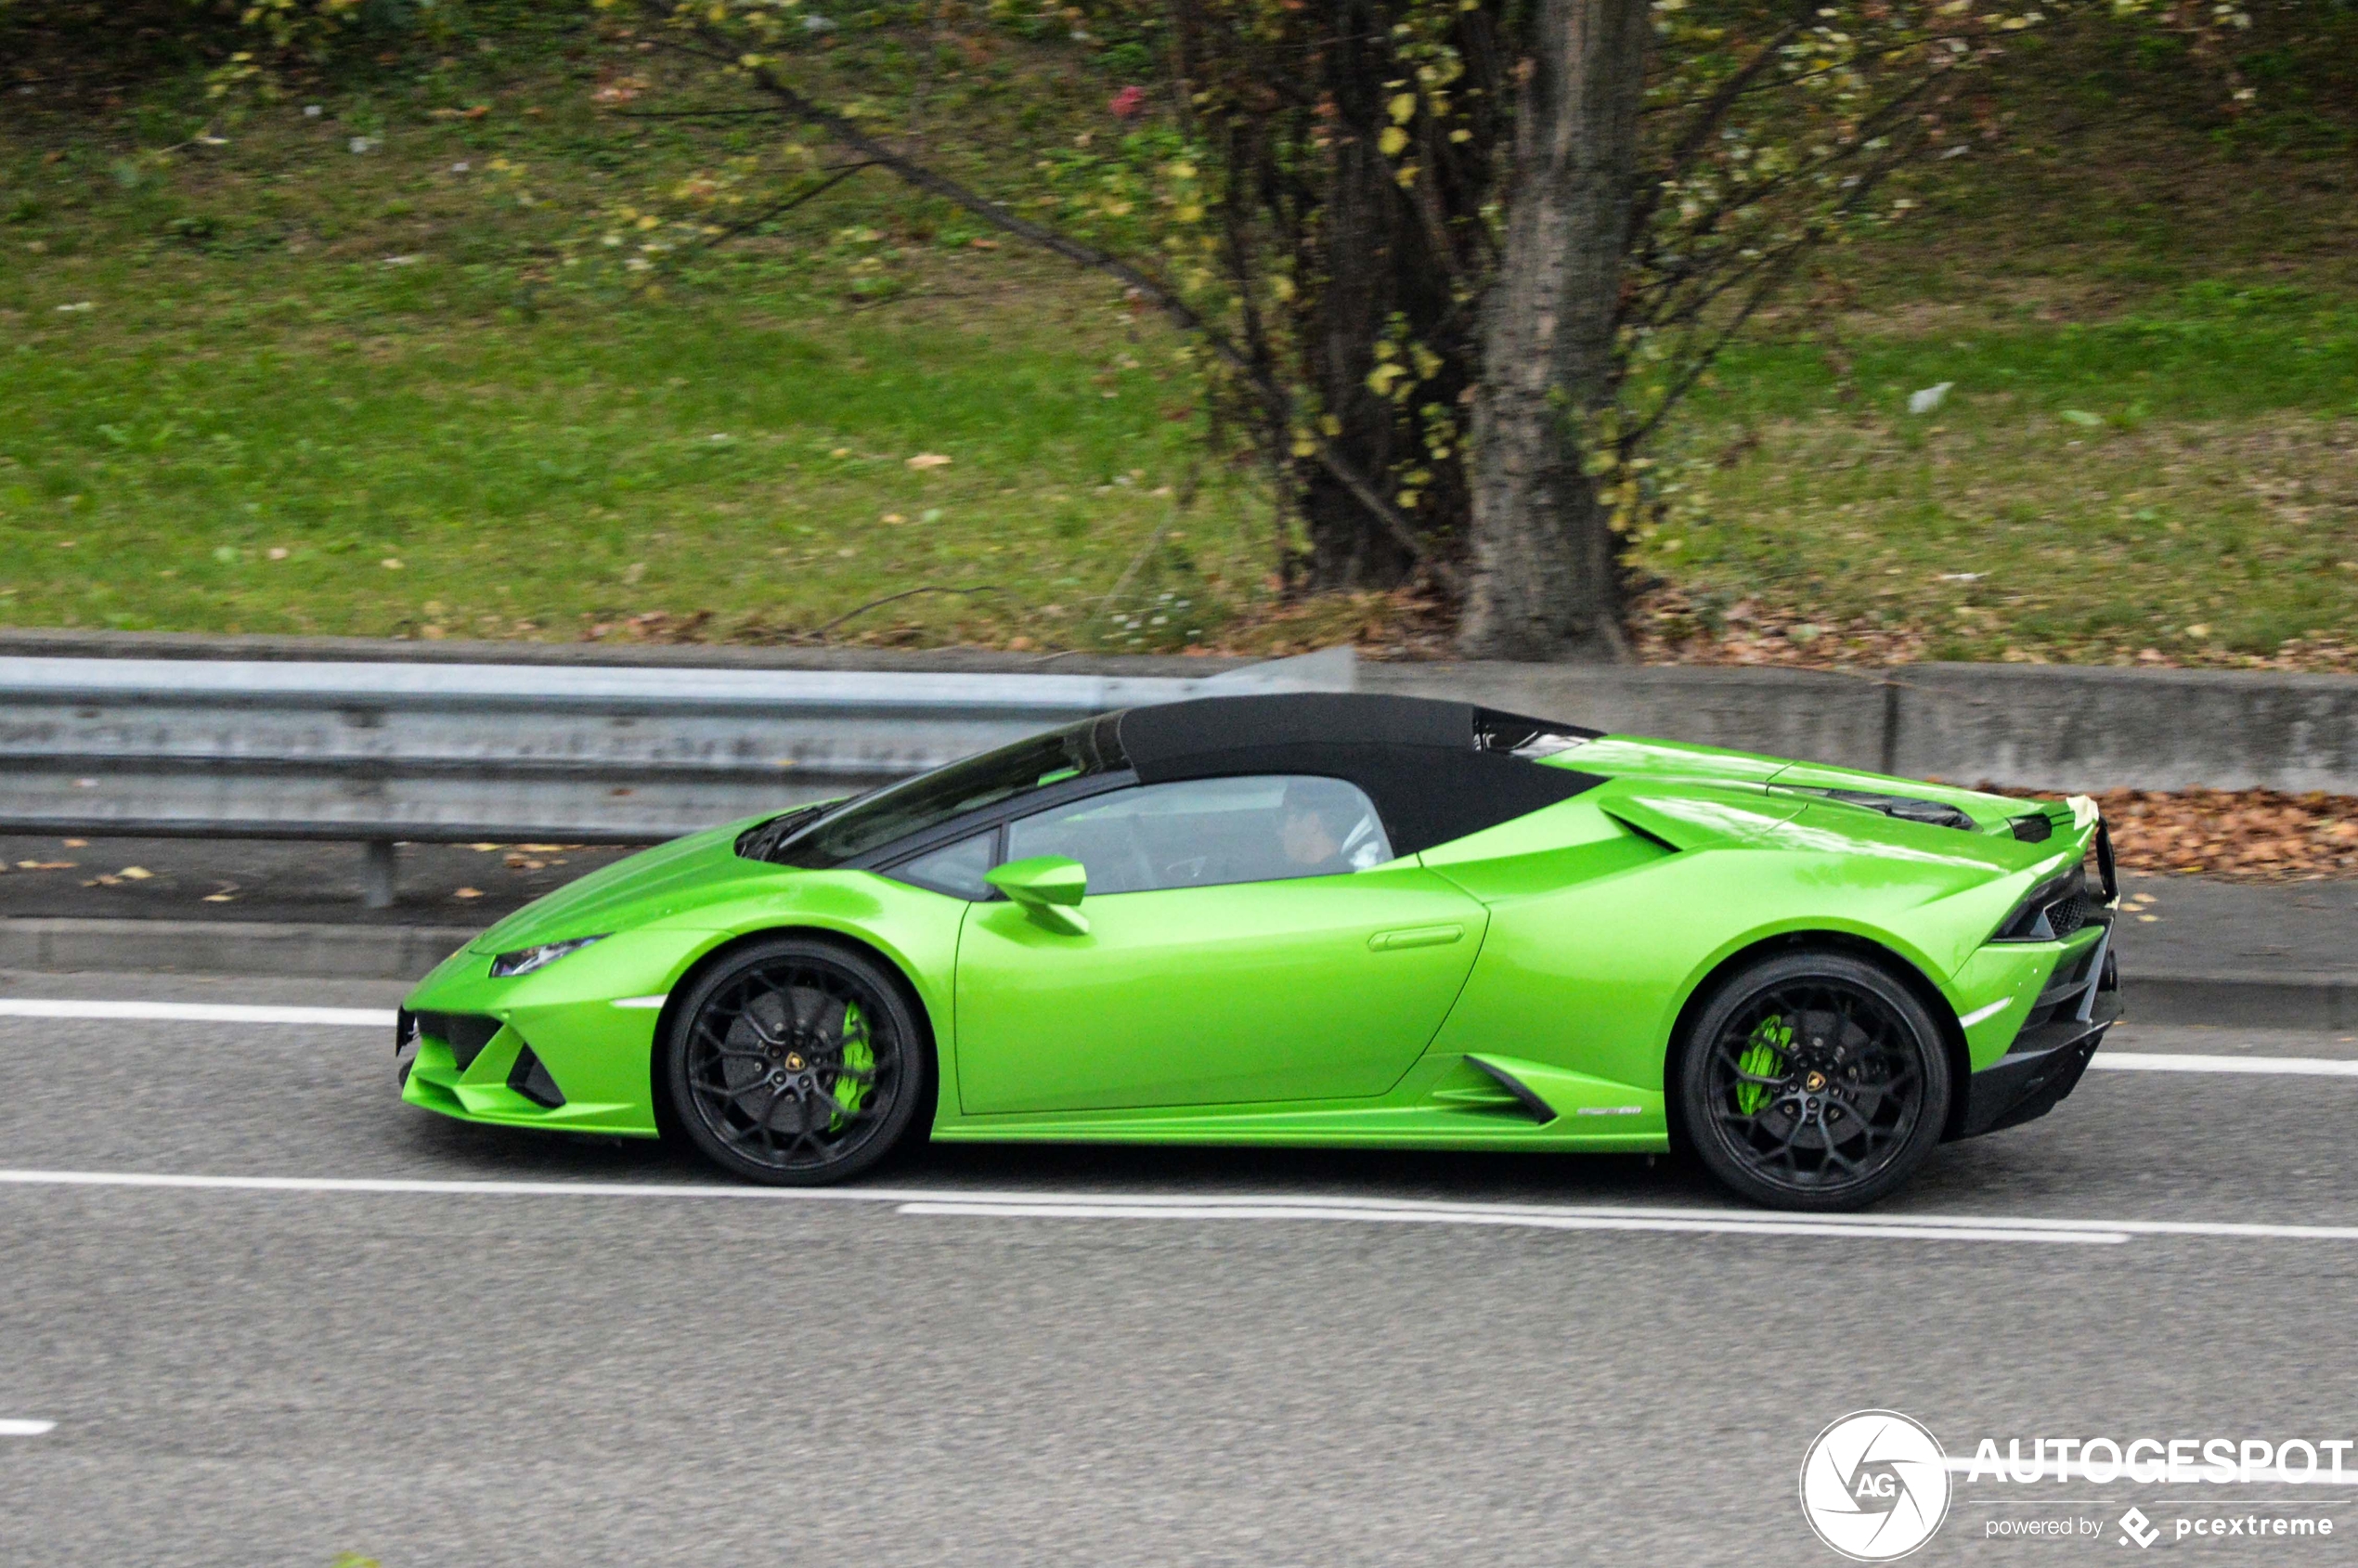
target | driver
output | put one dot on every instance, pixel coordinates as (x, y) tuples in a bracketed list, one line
[(1327, 830)]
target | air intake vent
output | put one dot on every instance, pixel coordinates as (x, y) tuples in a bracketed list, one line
[(465, 1033), (531, 1080), (2035, 829)]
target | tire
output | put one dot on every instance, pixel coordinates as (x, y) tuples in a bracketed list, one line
[(797, 1063), (1813, 1081)]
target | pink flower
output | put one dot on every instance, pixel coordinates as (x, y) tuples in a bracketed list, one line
[(1129, 103)]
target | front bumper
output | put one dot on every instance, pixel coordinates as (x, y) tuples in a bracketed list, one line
[(569, 1048), (2043, 1065)]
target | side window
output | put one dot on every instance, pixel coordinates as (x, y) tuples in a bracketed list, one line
[(1203, 833), (956, 869)]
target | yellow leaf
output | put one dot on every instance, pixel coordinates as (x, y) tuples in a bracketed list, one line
[(1403, 108), (1391, 141), (1406, 176), (1305, 447), (1331, 424), (1281, 286)]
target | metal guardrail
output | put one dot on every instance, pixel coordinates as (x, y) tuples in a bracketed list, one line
[(380, 753)]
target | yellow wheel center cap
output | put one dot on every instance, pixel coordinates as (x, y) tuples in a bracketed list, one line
[(794, 1063), (1815, 1081)]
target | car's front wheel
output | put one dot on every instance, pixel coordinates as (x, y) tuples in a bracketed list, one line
[(1813, 1081), (795, 1062)]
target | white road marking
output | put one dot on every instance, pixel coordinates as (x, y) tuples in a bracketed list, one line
[(196, 1013), (26, 1429), (1115, 1205), (1282, 1210), (2173, 1061)]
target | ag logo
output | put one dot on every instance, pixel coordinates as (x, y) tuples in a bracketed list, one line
[(1874, 1485)]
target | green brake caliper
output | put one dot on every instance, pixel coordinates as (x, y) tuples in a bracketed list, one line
[(859, 1056), (1764, 1057)]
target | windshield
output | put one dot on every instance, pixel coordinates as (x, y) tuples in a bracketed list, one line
[(914, 805)]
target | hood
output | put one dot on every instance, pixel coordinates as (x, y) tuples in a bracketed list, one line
[(643, 887)]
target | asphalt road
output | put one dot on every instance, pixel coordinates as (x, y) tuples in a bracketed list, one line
[(1128, 1360)]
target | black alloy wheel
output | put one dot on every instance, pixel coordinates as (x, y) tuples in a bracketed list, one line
[(1814, 1081), (797, 1062)]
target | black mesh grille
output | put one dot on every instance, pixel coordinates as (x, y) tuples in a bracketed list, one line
[(2067, 914), (465, 1033)]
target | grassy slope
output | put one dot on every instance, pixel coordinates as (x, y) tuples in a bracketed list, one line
[(2151, 446), (299, 364), (255, 376)]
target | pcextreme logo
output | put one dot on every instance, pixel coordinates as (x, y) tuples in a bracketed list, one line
[(1874, 1485)]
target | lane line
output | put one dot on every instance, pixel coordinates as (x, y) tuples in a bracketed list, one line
[(196, 1013), (26, 1429), (1188, 1205), (1075, 1210), (2173, 1061)]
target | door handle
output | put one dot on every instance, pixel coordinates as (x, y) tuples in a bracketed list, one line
[(1415, 936)]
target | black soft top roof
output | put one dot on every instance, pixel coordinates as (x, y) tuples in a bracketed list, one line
[(1436, 770)]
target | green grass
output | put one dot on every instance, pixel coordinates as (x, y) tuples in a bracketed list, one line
[(300, 363), (2179, 484), (179, 458)]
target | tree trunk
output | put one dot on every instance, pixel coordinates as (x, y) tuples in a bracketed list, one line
[(1544, 582)]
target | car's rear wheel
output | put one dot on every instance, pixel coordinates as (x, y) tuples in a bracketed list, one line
[(1813, 1081), (797, 1062)]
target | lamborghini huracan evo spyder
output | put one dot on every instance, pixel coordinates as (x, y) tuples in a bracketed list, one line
[(1312, 920)]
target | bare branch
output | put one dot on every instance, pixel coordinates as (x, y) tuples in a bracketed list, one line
[(1154, 292), (834, 177), (1706, 120), (820, 635), (1774, 274)]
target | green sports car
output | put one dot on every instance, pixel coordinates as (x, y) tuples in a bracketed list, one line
[(1312, 920)]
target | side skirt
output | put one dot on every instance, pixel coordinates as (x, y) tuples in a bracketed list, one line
[(1453, 1102)]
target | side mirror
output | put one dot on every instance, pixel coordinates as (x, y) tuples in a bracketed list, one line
[(1049, 887)]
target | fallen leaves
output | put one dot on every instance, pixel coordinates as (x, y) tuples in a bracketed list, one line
[(929, 459), (2243, 834)]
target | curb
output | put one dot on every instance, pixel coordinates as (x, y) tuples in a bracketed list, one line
[(2247, 999), (283, 950), (228, 947)]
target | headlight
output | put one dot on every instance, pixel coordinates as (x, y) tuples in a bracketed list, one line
[(525, 959)]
